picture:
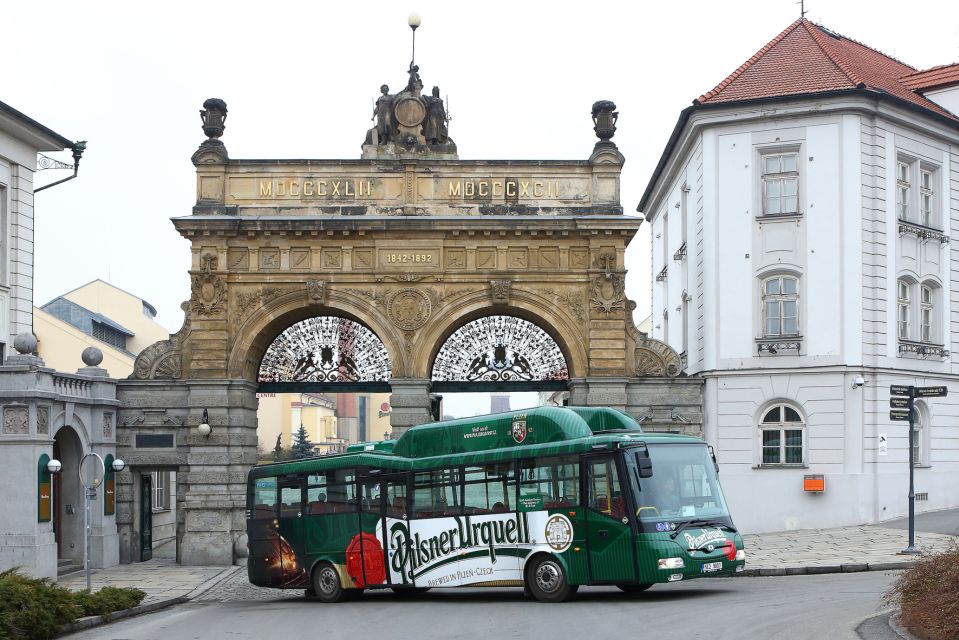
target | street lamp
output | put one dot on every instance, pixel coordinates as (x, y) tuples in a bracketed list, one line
[(118, 465), (414, 22), (54, 466), (204, 427)]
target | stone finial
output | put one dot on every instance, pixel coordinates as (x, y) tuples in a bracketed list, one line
[(213, 115), (604, 119), (25, 343), (91, 356)]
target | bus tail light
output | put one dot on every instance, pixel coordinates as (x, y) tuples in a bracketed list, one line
[(729, 550), (671, 563)]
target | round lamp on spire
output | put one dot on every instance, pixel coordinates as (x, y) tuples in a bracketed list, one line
[(413, 20)]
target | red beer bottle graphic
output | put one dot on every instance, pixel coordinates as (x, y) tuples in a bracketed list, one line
[(365, 552)]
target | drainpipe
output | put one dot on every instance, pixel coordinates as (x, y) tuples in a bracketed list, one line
[(78, 148)]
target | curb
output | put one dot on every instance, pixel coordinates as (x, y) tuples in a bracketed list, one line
[(95, 621), (828, 568)]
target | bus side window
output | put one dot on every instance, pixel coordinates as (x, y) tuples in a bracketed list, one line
[(554, 481), (264, 499), (397, 500), (437, 493), (341, 491), (487, 489), (316, 495), (605, 490)]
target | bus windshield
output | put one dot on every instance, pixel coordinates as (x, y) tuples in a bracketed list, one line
[(684, 486)]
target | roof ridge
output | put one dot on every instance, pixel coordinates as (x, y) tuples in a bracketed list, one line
[(742, 68), (818, 37), (861, 44)]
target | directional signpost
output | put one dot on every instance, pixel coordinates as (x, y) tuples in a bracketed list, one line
[(903, 408)]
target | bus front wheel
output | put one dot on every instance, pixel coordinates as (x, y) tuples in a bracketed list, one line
[(546, 580), (327, 585)]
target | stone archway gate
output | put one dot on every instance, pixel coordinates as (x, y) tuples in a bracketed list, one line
[(411, 242)]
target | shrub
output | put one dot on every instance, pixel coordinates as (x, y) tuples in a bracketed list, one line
[(36, 608), (926, 595), (33, 608), (107, 600)]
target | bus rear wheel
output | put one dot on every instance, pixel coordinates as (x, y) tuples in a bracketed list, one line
[(633, 588), (546, 580), (326, 584)]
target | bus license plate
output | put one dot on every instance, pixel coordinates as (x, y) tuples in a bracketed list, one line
[(712, 566)]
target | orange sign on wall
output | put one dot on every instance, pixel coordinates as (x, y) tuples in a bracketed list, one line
[(814, 483)]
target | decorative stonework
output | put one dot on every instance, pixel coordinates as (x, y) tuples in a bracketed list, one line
[(409, 309), (369, 294), (571, 301), (162, 359), (209, 293), (499, 291), (15, 420), (107, 425), (656, 359), (43, 420), (247, 301), (316, 290), (608, 292)]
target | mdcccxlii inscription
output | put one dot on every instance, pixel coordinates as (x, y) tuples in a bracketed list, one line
[(355, 188)]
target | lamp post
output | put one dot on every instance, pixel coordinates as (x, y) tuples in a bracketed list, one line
[(414, 22), (91, 475)]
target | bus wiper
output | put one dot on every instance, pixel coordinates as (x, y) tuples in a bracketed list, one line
[(701, 523)]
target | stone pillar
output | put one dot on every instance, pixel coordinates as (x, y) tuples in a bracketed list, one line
[(214, 497), (410, 404), (668, 404), (211, 470), (606, 392)]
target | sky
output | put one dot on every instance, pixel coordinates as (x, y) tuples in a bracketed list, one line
[(299, 79)]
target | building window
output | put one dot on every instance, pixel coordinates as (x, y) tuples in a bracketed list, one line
[(159, 490), (782, 436), (780, 183), (780, 306), (926, 194), (918, 206), (917, 438), (925, 313), (903, 188), (902, 301), (109, 335)]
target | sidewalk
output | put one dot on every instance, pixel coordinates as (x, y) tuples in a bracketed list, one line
[(861, 548)]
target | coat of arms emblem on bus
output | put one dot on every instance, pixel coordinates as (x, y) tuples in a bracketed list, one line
[(519, 431), (559, 532)]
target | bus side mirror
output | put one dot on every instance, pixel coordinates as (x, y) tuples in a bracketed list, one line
[(712, 453), (645, 464)]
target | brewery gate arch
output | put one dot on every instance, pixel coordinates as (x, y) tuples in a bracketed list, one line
[(409, 243)]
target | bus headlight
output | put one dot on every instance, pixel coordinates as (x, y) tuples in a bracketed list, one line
[(671, 563), (741, 554)]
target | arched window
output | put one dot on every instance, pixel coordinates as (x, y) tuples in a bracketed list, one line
[(780, 306), (917, 433), (782, 431)]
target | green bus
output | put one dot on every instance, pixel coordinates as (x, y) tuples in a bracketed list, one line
[(547, 499)]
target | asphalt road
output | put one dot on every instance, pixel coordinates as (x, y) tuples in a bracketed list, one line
[(793, 608), (945, 522)]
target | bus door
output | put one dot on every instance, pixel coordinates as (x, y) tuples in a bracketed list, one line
[(265, 566), (609, 528), (395, 530), (290, 495), (366, 561)]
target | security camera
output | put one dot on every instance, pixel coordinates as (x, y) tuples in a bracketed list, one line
[(858, 382)]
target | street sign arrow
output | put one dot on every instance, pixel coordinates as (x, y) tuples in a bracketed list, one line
[(899, 414), (899, 390), (930, 392), (899, 403)]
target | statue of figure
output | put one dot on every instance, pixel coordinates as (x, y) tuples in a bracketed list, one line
[(383, 112), (415, 85), (434, 127)]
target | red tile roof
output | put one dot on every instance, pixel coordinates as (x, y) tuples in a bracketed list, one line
[(808, 58), (934, 78)]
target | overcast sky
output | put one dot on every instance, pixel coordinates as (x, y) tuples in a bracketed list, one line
[(299, 78)]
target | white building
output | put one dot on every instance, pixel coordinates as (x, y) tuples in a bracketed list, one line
[(21, 138), (801, 220)]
